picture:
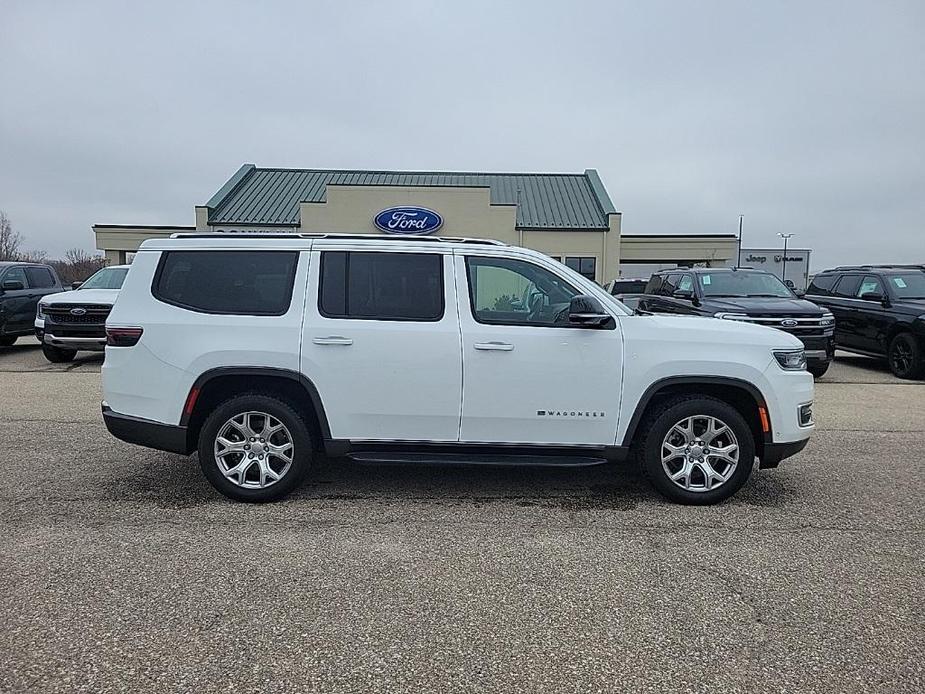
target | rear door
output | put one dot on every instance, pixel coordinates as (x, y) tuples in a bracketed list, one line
[(529, 376), (18, 305), (872, 319), (844, 307), (381, 343)]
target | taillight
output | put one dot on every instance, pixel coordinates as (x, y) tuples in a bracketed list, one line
[(123, 337)]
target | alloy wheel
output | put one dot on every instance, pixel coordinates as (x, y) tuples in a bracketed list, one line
[(700, 453), (901, 357), (253, 450)]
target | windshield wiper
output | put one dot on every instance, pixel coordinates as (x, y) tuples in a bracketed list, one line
[(769, 296), (726, 296)]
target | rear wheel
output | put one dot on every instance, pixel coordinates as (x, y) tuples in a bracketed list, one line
[(254, 447), (905, 357), (818, 369), (7, 340), (56, 355), (697, 450)]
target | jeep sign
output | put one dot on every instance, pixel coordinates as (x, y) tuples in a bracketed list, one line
[(408, 220)]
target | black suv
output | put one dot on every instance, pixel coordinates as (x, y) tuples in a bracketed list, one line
[(21, 287), (752, 296), (879, 311)]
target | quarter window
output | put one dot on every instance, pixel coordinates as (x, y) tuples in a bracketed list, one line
[(822, 285), (503, 291), (586, 266), (251, 283), (381, 286)]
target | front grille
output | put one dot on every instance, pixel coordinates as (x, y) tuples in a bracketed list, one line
[(93, 314), (800, 327)]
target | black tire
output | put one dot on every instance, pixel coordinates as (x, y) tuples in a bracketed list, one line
[(8, 340), (56, 355), (662, 419), (905, 356), (818, 369), (276, 408)]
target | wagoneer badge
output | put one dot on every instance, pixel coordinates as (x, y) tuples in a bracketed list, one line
[(408, 220)]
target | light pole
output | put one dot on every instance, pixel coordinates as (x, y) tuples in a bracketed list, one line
[(783, 271), (739, 261)]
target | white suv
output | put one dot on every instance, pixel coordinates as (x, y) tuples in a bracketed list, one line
[(264, 351)]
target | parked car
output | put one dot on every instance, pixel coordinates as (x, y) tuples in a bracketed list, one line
[(261, 351), (68, 322), (746, 296), (879, 311), (626, 286), (21, 287)]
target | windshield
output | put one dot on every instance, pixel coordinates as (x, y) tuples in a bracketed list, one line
[(742, 284), (908, 285), (107, 278)]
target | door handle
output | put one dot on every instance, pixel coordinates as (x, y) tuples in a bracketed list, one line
[(496, 346), (332, 340)]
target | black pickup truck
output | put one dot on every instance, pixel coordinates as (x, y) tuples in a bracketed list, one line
[(752, 296)]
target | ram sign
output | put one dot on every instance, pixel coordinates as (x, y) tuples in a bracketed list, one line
[(772, 260)]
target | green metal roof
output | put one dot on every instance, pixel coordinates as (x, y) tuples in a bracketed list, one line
[(544, 201)]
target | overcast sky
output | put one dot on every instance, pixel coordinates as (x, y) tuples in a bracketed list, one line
[(805, 117)]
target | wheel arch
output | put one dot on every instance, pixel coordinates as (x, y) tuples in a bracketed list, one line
[(219, 384), (740, 394)]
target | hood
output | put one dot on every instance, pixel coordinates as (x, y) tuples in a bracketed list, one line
[(721, 333), (106, 297), (763, 305)]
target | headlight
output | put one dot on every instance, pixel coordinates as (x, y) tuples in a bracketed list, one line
[(731, 316), (791, 359), (40, 312), (827, 320)]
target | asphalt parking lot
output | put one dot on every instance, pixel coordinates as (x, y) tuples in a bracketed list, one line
[(124, 571)]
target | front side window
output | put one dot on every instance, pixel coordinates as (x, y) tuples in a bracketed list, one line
[(107, 278), (250, 283), (742, 284), (869, 285), (586, 266), (686, 283), (907, 285), (381, 286), (40, 277), (16, 274), (504, 291)]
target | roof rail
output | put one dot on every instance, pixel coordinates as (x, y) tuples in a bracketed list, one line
[(875, 266), (346, 237)]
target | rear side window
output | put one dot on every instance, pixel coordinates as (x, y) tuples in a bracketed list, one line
[(40, 277), (655, 282), (822, 285), (847, 286), (381, 286), (250, 283)]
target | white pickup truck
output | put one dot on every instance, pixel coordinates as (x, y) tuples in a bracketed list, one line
[(265, 351)]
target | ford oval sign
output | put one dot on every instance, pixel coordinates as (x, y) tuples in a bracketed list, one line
[(408, 220)]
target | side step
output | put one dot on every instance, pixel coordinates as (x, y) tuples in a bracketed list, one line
[(494, 459)]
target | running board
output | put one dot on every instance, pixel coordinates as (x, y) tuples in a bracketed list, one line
[(493, 459)]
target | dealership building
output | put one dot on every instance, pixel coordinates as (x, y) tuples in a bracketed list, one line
[(568, 216)]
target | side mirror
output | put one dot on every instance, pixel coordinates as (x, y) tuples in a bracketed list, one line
[(866, 296), (76, 285), (12, 285), (586, 312), (800, 293)]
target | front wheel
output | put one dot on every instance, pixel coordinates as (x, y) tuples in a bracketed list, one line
[(56, 355), (818, 369), (697, 450), (254, 447), (905, 357)]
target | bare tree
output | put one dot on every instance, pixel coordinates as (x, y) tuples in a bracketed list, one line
[(77, 265), (9, 239)]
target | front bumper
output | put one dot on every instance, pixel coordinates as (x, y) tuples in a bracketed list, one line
[(91, 344), (144, 432), (776, 452)]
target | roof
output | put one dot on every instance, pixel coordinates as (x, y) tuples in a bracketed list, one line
[(544, 201)]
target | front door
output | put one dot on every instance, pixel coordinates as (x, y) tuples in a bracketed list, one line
[(18, 305), (380, 339), (528, 376)]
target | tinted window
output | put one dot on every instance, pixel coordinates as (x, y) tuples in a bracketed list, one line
[(515, 292), (822, 285), (869, 285), (40, 277), (16, 274), (741, 284), (655, 283), (847, 286), (381, 286), (586, 266), (669, 285), (229, 282)]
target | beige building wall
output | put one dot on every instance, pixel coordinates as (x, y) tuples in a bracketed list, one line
[(115, 240), (716, 251)]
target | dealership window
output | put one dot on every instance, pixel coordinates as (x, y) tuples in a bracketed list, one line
[(251, 283), (583, 265), (381, 286), (515, 292)]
